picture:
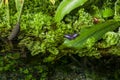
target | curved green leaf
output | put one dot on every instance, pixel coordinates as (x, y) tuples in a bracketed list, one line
[(19, 7), (1, 3), (94, 33), (66, 6), (107, 12)]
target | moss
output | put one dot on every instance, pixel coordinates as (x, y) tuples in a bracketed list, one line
[(42, 36), (40, 39)]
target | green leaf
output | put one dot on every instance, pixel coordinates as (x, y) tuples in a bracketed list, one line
[(6, 2), (66, 6), (1, 3), (91, 34), (19, 6), (117, 10), (107, 12)]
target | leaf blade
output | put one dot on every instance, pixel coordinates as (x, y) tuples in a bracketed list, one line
[(66, 6), (96, 31)]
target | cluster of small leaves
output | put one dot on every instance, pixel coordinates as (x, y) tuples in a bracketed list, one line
[(110, 38), (41, 36), (108, 9), (3, 16), (111, 41), (7, 62), (44, 6), (44, 37), (14, 68), (84, 20), (91, 52)]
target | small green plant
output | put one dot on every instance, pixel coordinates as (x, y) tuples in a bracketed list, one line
[(51, 31)]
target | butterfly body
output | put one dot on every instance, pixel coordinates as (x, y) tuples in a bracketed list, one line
[(71, 36)]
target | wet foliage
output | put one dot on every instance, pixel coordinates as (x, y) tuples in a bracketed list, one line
[(39, 42)]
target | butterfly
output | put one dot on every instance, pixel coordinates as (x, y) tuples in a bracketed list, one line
[(71, 36)]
